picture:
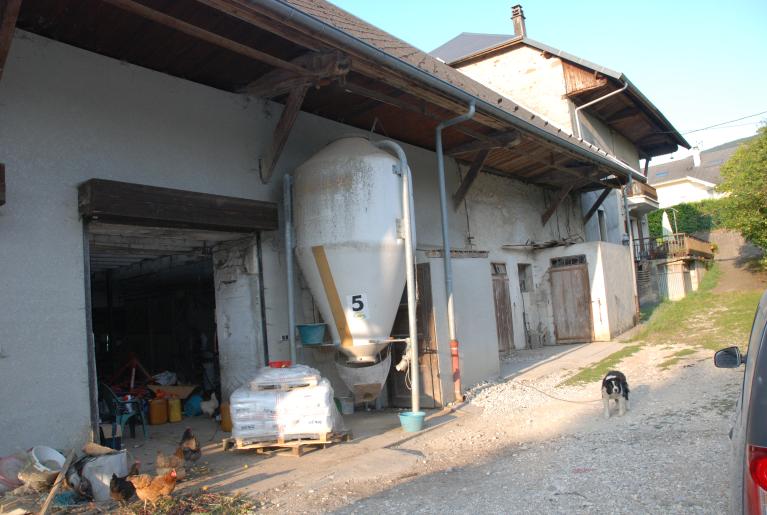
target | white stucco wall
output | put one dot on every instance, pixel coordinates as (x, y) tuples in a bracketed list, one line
[(526, 77), (67, 115), (684, 191)]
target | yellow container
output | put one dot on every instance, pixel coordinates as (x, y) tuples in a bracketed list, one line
[(158, 411), (226, 418), (174, 410)]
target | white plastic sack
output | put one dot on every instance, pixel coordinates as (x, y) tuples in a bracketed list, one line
[(98, 470), (299, 374)]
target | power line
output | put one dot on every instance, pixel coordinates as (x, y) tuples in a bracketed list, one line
[(716, 124), (725, 123)]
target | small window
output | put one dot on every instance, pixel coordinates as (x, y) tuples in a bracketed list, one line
[(525, 273), (602, 225), (499, 268), (568, 261), (662, 173)]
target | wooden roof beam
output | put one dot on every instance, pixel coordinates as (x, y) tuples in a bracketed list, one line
[(320, 68), (9, 13), (476, 167), (282, 131), (564, 191), (501, 140), (204, 35), (596, 205)]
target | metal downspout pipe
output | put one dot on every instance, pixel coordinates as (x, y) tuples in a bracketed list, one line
[(596, 100), (287, 197), (408, 229), (446, 248), (626, 190)]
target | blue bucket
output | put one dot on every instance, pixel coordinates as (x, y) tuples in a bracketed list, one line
[(411, 421), (311, 334)]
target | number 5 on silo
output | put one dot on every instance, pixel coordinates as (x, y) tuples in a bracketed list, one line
[(359, 305)]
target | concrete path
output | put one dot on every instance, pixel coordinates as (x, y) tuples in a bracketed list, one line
[(536, 363)]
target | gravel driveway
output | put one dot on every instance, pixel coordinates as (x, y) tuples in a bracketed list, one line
[(528, 453)]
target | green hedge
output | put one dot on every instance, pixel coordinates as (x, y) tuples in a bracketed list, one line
[(690, 217)]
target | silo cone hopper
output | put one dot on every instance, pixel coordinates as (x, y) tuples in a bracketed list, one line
[(347, 202)]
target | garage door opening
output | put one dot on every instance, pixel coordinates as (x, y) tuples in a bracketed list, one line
[(151, 287), (153, 305)]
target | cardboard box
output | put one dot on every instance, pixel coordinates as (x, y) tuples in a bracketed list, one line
[(178, 391)]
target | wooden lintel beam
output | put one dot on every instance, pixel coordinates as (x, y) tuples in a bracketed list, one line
[(9, 13), (474, 169), (564, 191), (319, 68), (596, 205), (504, 140), (282, 131), (202, 34)]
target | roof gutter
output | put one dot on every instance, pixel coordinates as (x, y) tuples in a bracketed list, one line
[(290, 13)]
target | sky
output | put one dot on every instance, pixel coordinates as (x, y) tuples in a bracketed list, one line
[(700, 62)]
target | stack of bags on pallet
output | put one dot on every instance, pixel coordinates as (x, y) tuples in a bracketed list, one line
[(284, 403)]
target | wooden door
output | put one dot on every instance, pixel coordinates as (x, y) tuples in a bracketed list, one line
[(503, 323), (571, 300), (431, 387)]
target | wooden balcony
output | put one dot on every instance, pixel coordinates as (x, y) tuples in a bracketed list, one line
[(640, 189), (678, 245), (642, 198)]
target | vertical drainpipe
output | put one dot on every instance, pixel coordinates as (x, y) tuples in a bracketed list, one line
[(446, 248), (287, 198), (408, 226), (634, 288)]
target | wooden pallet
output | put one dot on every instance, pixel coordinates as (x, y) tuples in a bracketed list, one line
[(296, 446), (283, 387)]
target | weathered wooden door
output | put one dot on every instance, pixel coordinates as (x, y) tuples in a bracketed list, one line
[(571, 300), (503, 323), (431, 387)]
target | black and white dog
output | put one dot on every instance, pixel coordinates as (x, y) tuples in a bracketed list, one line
[(615, 387)]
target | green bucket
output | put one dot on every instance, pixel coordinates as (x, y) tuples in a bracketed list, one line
[(311, 334), (412, 421)]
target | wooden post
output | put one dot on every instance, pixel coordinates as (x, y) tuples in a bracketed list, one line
[(57, 484), (563, 192), (476, 167), (281, 133), (9, 13)]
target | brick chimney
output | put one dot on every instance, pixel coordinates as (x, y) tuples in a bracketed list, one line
[(518, 19)]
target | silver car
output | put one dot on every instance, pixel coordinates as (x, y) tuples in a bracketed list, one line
[(749, 432)]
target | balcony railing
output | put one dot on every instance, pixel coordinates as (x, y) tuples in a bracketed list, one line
[(642, 189), (678, 245)]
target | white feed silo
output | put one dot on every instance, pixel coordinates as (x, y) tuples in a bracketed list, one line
[(347, 202)]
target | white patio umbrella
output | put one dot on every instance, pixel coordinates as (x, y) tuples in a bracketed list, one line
[(666, 225)]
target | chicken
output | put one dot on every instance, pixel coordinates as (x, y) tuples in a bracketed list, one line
[(165, 463), (120, 488), (151, 489), (190, 445), (209, 407)]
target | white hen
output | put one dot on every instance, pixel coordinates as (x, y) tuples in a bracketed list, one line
[(209, 407)]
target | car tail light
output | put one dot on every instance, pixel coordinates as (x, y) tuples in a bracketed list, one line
[(756, 481)]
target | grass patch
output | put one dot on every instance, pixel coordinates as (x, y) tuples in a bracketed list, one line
[(702, 320), (598, 370), (675, 357)]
